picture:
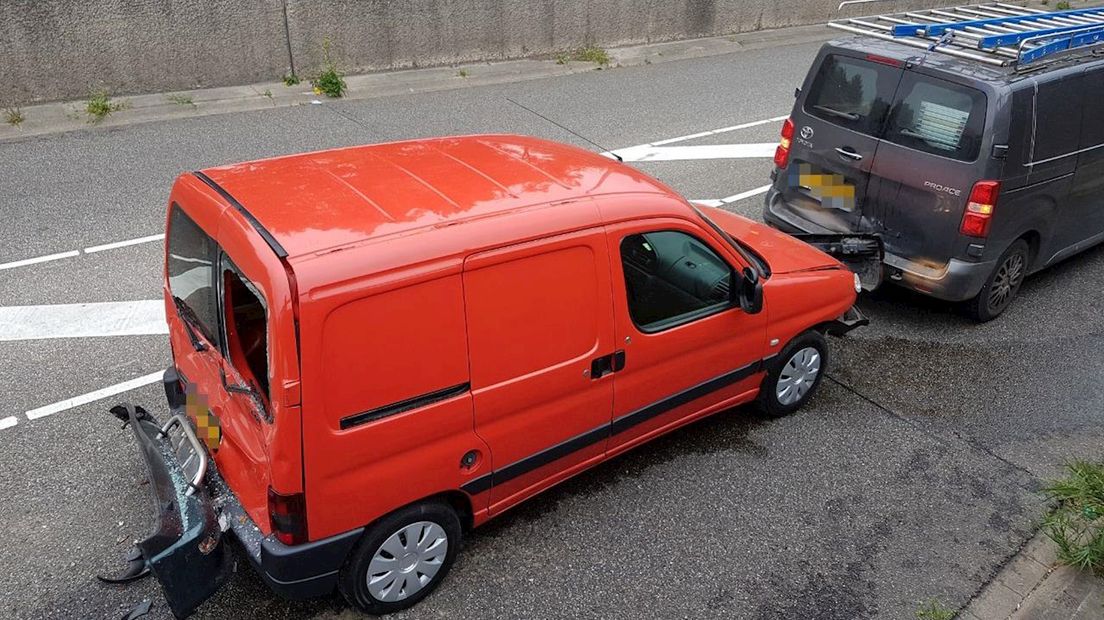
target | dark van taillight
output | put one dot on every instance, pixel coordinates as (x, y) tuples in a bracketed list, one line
[(288, 515), (782, 153), (979, 210)]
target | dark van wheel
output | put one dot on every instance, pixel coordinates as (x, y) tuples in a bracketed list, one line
[(401, 558), (1002, 285), (793, 376)]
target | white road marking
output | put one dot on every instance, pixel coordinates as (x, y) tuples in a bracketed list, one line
[(125, 318), (123, 244), (38, 259), (734, 198), (8, 422), (71, 253), (705, 151), (747, 194), (99, 394), (702, 134)]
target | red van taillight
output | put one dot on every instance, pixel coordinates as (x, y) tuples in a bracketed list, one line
[(782, 153), (288, 515), (979, 211)]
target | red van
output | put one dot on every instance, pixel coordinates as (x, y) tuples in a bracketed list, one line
[(378, 348)]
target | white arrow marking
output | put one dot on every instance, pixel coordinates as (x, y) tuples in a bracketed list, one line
[(127, 318), (705, 151), (99, 394)]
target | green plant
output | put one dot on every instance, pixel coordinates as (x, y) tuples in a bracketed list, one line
[(562, 58), (1062, 6), (180, 100), (934, 610), (1077, 523), (99, 105), (463, 73), (592, 53), (14, 116), (291, 79), (330, 81)]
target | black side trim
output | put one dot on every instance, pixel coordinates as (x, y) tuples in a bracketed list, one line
[(477, 486), (261, 230), (620, 425), (548, 455), (679, 399), (403, 405)]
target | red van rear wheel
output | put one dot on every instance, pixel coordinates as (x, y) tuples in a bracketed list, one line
[(793, 376), (401, 558)]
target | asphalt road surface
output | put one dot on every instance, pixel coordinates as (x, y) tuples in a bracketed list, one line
[(913, 475)]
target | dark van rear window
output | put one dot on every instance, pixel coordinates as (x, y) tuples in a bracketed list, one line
[(938, 117), (852, 93)]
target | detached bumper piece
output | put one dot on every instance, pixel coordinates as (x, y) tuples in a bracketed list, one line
[(862, 253), (184, 552), (850, 320)]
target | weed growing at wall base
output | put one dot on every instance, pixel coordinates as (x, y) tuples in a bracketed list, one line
[(1077, 524), (330, 81), (100, 105), (592, 53)]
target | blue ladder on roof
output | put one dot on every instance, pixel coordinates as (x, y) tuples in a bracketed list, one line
[(995, 33)]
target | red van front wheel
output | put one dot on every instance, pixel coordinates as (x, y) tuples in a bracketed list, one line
[(401, 558), (793, 376)]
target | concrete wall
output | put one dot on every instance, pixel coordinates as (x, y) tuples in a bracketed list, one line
[(63, 49)]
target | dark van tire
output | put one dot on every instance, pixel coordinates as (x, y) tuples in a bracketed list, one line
[(401, 558), (793, 375), (1002, 285)]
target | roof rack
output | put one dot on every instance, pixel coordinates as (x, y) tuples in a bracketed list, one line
[(996, 33)]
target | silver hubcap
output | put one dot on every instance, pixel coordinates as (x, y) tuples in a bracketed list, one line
[(407, 561), (1007, 280), (798, 376)]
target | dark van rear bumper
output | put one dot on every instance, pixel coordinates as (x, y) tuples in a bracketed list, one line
[(187, 551), (955, 280)]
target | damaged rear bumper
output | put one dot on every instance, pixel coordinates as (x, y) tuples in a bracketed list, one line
[(184, 551), (195, 509)]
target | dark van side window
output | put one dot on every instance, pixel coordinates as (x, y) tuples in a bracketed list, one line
[(938, 117), (191, 265), (852, 93)]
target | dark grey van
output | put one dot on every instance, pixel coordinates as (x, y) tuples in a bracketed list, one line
[(974, 175)]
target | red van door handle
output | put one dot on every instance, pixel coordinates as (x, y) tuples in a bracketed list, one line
[(607, 364)]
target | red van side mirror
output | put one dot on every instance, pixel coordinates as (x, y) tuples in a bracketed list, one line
[(750, 291)]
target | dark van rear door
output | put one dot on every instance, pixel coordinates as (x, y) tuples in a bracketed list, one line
[(929, 159), (836, 136)]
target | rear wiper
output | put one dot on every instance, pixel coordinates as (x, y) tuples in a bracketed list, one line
[(187, 317), (851, 116)]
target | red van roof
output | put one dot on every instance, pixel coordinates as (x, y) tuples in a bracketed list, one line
[(327, 199)]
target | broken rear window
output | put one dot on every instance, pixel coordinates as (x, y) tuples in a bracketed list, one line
[(190, 263)]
